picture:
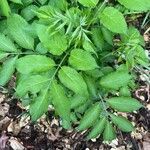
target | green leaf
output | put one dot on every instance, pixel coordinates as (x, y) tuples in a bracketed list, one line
[(7, 70), (108, 36), (17, 1), (90, 117), (114, 20), (82, 60), (20, 35), (40, 105), (77, 100), (141, 57), (3, 55), (89, 47), (56, 43), (45, 12), (71, 79), (31, 83), (74, 117), (133, 36), (109, 133), (41, 49), (96, 73), (138, 5), (42, 1), (122, 123), (4, 8), (125, 91), (34, 64), (115, 80), (97, 37), (88, 3), (59, 4), (27, 2), (6, 45), (124, 104), (91, 84), (97, 128), (60, 101), (28, 12), (81, 109)]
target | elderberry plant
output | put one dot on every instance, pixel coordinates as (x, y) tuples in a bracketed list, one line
[(77, 56)]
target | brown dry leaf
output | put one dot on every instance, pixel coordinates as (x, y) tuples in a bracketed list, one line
[(14, 128), (2, 97), (3, 141), (4, 108), (119, 148), (4, 122), (15, 144), (146, 37), (146, 145)]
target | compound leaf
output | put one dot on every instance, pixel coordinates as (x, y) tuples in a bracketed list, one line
[(114, 20), (82, 60), (34, 63), (124, 104), (122, 123)]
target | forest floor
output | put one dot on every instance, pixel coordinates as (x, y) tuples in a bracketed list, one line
[(18, 133)]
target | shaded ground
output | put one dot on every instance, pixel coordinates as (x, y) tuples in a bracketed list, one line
[(17, 132)]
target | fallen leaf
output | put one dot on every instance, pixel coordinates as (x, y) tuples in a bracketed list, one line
[(15, 144), (4, 123), (3, 141), (4, 108), (2, 97), (146, 145), (14, 128)]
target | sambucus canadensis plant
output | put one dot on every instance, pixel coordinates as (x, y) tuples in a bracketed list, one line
[(64, 54)]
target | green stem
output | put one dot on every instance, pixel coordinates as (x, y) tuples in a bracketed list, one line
[(145, 19), (103, 103), (52, 78), (97, 12)]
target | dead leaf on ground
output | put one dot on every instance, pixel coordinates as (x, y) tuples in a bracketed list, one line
[(4, 108), (2, 97), (4, 123), (146, 145), (15, 144), (14, 128), (3, 141)]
